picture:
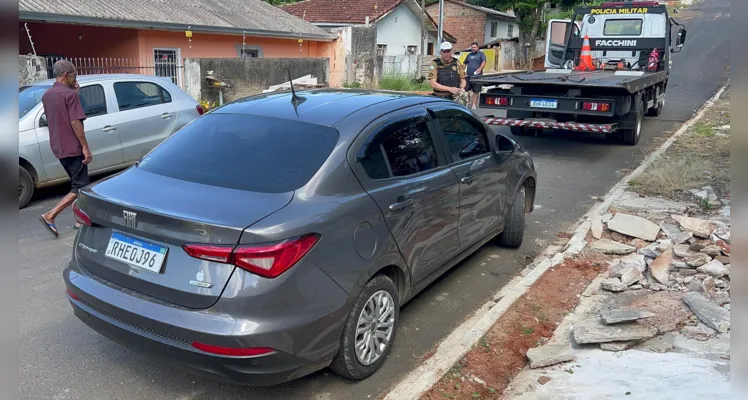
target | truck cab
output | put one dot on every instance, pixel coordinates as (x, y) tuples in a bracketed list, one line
[(611, 25)]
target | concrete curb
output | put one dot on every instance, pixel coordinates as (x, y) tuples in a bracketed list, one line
[(462, 339)]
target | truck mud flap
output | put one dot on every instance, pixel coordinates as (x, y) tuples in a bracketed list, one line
[(568, 126)]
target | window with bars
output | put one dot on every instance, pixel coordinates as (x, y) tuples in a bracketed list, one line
[(412, 50), (166, 63), (381, 49), (510, 31), (494, 29)]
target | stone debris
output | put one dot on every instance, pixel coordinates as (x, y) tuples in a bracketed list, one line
[(670, 229), (713, 268), (550, 354), (695, 285), (712, 250), (613, 285), (683, 250), (659, 344), (597, 228), (698, 332), (710, 314), (631, 276), (632, 225), (697, 260), (632, 260), (723, 259), (606, 217), (593, 331), (698, 227), (686, 271), (608, 246), (544, 379), (619, 346), (617, 316), (721, 233), (636, 287), (634, 201), (660, 267), (708, 284)]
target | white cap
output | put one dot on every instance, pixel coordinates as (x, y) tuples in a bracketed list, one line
[(445, 46)]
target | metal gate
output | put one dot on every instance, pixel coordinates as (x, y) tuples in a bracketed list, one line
[(165, 62)]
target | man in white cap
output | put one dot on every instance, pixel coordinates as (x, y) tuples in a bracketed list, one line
[(447, 74)]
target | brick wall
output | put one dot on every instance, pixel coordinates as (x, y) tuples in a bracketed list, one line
[(465, 24)]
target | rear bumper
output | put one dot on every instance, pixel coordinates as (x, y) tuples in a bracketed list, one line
[(265, 370), (303, 343), (567, 126)]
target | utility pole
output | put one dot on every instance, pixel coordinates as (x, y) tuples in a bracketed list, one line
[(423, 28), (441, 23)]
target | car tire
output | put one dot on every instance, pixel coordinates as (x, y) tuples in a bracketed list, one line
[(25, 187), (631, 136), (348, 362), (514, 228), (518, 130)]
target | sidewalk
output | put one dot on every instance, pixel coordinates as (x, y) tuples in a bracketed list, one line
[(635, 306)]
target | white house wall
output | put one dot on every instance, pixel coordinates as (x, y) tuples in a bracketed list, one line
[(502, 29), (398, 30)]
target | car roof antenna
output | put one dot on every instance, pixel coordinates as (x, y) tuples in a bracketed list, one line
[(295, 100)]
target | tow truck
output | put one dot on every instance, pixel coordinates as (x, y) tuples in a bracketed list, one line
[(630, 44)]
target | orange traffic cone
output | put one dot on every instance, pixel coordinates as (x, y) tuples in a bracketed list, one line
[(585, 59)]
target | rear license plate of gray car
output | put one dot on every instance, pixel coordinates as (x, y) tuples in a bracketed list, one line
[(136, 252)]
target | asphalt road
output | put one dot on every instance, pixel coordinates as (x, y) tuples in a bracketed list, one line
[(60, 358)]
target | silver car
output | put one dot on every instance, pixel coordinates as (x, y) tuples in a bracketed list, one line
[(127, 116)]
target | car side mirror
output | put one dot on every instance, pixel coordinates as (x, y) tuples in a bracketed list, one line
[(680, 40), (43, 121), (505, 147)]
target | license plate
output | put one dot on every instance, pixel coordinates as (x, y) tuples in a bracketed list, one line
[(136, 252), (542, 103)]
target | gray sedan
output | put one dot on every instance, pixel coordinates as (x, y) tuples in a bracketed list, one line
[(126, 117), (271, 238)]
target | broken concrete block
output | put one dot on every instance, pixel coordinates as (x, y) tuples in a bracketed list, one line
[(608, 246), (712, 250), (631, 275), (710, 314), (544, 379), (593, 331), (683, 250), (670, 229), (597, 228), (550, 354), (613, 285), (659, 344), (699, 332), (713, 268), (632, 260), (618, 316), (660, 267), (698, 227), (635, 226)]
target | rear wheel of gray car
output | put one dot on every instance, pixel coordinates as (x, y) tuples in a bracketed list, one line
[(25, 187), (369, 330), (514, 228)]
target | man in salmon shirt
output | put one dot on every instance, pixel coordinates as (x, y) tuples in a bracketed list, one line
[(67, 138)]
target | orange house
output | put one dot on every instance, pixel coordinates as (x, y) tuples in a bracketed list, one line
[(153, 38)]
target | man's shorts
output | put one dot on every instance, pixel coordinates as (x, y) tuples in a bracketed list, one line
[(77, 171), (475, 87)]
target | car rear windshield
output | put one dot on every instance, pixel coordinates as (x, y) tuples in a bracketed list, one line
[(244, 152)]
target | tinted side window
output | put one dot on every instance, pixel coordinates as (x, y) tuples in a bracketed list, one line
[(132, 95), (465, 137), (403, 148), (93, 100)]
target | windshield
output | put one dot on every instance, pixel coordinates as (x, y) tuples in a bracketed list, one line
[(29, 97), (244, 152)]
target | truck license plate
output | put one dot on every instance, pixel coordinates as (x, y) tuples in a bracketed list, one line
[(135, 252), (543, 103)]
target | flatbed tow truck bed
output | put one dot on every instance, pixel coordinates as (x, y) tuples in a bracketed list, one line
[(631, 81)]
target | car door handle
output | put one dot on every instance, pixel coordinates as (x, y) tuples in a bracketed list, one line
[(467, 180), (109, 128), (401, 205), (165, 115)]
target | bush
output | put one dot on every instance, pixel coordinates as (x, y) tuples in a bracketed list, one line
[(403, 84)]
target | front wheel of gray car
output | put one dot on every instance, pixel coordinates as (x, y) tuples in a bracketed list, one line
[(25, 187), (369, 330), (514, 228)]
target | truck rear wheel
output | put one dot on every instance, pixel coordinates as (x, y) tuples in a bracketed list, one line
[(631, 136), (519, 130), (657, 110)]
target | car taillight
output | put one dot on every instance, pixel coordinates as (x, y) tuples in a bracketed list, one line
[(73, 295), (595, 106), (267, 260), (200, 110), (232, 351), (81, 216), (497, 101)]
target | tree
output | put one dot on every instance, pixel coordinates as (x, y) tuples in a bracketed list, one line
[(529, 15)]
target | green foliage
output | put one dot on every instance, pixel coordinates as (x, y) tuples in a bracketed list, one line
[(403, 84)]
